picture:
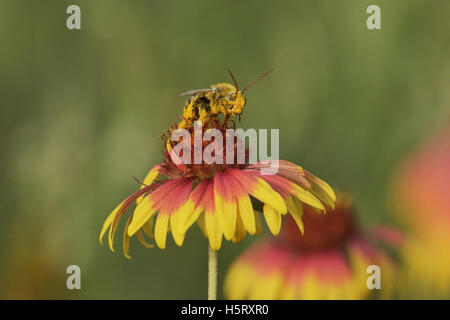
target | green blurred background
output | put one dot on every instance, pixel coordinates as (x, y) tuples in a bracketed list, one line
[(83, 110)]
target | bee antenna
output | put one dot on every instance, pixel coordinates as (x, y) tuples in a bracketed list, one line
[(234, 80), (257, 79)]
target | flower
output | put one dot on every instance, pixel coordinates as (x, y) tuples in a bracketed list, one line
[(421, 192), (328, 262), (422, 186), (220, 197)]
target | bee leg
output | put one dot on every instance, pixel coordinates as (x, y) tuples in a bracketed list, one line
[(225, 119), (234, 124)]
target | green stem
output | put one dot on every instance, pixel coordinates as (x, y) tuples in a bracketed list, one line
[(212, 274)]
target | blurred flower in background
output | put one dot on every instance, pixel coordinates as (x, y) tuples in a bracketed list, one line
[(31, 272), (421, 192), (328, 262)]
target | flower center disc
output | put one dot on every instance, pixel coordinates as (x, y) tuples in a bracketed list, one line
[(322, 231)]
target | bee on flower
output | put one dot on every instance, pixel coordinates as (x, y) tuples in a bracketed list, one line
[(220, 98), (221, 197)]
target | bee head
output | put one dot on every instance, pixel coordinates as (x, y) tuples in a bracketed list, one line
[(238, 103)]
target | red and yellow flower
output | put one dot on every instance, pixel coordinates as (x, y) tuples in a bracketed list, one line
[(421, 192), (422, 186), (222, 198), (328, 262)]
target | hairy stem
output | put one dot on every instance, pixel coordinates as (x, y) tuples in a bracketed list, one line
[(212, 274)]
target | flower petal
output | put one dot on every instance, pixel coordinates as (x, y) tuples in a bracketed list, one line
[(161, 228), (258, 223), (245, 208), (172, 195), (201, 197), (239, 235), (287, 170), (112, 229), (151, 176), (247, 214), (202, 224), (260, 189), (226, 206), (281, 185), (122, 209), (108, 221), (142, 240), (214, 230), (177, 233), (321, 189), (168, 198), (126, 239), (296, 210), (148, 227), (273, 219), (143, 212), (204, 199), (308, 198)]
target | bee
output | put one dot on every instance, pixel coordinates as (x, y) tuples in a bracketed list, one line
[(220, 98)]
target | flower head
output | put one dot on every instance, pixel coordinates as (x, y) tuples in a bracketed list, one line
[(328, 262), (422, 186), (422, 196), (221, 196), (224, 204)]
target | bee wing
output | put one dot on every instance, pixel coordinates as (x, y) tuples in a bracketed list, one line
[(196, 91)]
